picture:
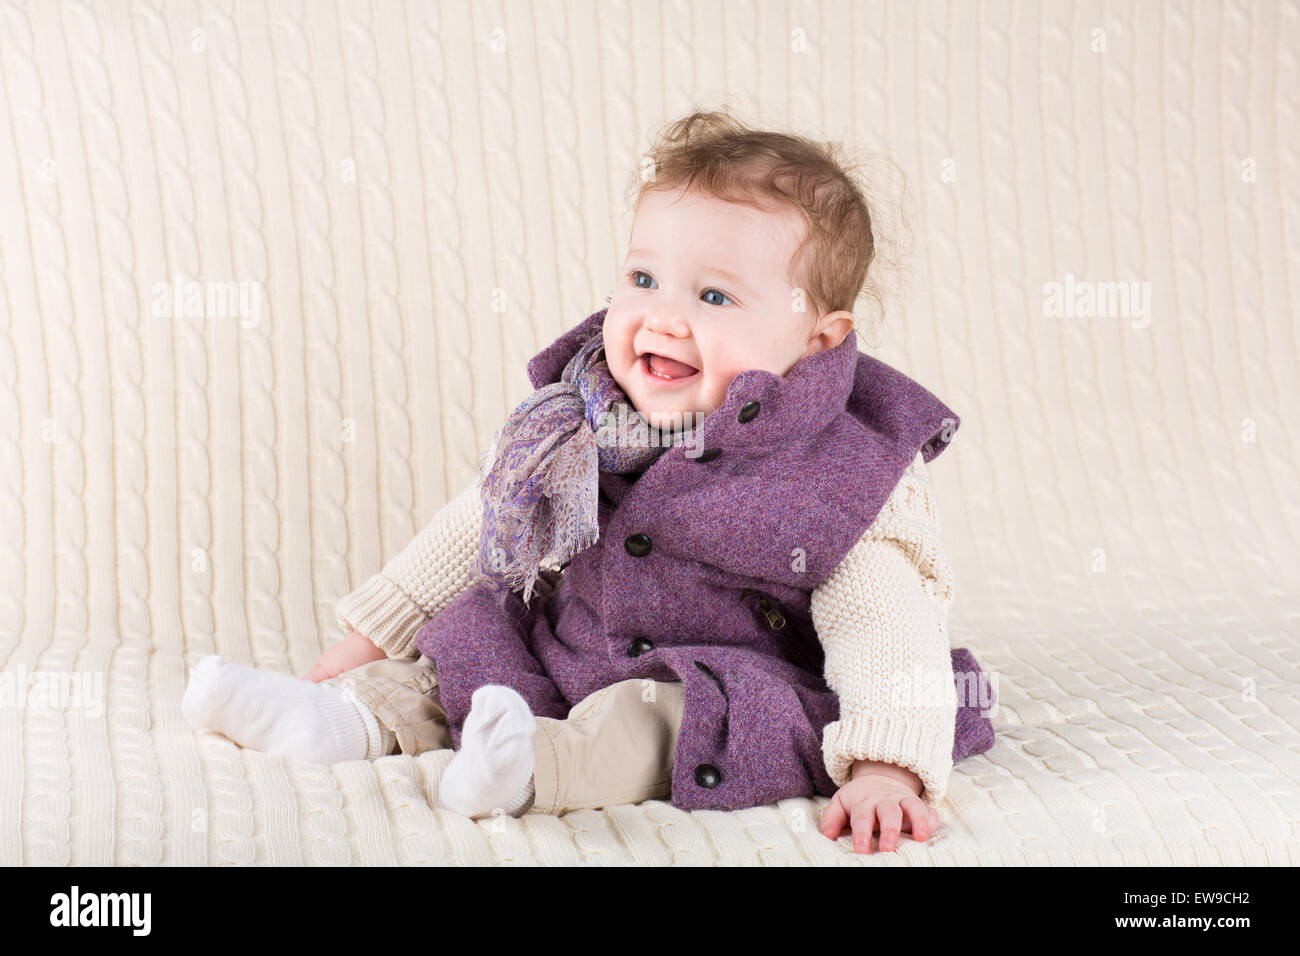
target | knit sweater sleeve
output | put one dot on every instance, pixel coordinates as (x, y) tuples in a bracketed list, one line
[(882, 618), (420, 580)]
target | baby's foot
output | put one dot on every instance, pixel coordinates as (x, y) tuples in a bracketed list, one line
[(279, 714), (494, 766)]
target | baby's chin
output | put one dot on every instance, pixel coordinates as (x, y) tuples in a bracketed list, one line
[(668, 412), (673, 417), (669, 420)]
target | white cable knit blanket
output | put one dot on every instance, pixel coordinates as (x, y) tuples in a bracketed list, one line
[(269, 274)]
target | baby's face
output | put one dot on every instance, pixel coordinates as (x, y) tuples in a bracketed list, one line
[(706, 285)]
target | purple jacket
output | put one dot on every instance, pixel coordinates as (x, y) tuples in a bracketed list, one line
[(693, 555)]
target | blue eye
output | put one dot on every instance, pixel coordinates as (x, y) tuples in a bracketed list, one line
[(635, 276)]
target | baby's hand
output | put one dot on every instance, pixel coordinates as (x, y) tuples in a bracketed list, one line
[(353, 651), (889, 797)]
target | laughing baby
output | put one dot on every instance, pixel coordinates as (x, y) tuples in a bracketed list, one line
[(701, 561)]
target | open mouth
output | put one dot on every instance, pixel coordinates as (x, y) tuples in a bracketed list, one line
[(661, 368)]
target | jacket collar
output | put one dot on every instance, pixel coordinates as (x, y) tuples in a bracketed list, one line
[(795, 407)]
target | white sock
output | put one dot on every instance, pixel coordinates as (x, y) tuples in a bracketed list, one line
[(279, 714), (494, 767)]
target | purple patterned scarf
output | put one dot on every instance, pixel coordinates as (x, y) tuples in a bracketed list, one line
[(541, 485)]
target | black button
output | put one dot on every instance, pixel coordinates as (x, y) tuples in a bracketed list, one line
[(707, 776), (708, 454), (748, 412), (638, 545), (642, 645)]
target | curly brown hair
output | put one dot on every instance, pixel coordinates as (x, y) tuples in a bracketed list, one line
[(717, 154)]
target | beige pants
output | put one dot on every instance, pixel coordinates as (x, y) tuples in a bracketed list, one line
[(616, 746)]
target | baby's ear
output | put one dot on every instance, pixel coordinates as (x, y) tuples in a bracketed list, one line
[(832, 329)]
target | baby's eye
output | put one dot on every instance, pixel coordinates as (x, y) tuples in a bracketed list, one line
[(636, 274)]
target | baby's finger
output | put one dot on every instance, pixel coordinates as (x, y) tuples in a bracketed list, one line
[(316, 674), (891, 821), (863, 822), (833, 818), (919, 816)]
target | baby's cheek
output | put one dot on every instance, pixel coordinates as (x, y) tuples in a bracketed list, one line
[(711, 400), (620, 366), (719, 384)]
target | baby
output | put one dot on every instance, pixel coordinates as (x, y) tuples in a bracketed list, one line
[(701, 561)]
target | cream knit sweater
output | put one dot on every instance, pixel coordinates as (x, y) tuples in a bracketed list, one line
[(881, 615)]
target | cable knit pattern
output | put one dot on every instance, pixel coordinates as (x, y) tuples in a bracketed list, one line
[(423, 578), (427, 197)]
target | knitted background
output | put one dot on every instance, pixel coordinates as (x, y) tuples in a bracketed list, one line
[(419, 196)]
